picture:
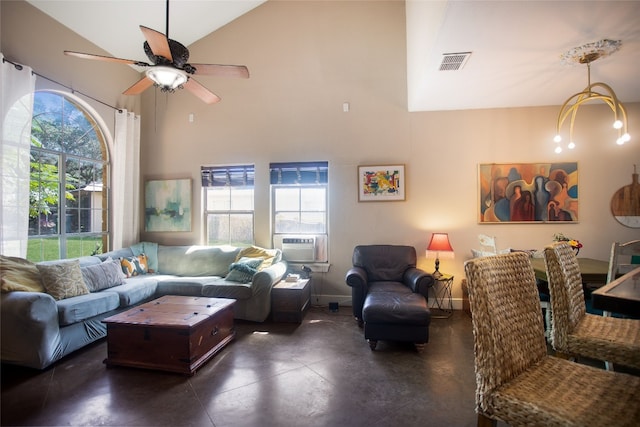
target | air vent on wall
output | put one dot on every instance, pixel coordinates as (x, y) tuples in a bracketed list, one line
[(454, 61)]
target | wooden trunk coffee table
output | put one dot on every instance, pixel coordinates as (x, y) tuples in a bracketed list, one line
[(171, 333)]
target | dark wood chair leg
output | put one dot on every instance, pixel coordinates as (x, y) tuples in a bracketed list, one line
[(373, 344), (484, 421)]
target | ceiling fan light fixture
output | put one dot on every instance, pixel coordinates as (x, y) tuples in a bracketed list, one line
[(586, 54), (168, 79)]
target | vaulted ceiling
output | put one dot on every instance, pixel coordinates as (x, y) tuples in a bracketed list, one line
[(515, 46)]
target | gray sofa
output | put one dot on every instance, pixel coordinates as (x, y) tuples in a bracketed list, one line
[(37, 330)]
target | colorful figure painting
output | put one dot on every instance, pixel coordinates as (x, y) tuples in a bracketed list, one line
[(381, 183), (528, 192)]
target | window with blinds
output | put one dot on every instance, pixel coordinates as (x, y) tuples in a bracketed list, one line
[(228, 204), (299, 200)]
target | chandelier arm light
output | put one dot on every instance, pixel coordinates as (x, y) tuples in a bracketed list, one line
[(587, 96), (585, 55)]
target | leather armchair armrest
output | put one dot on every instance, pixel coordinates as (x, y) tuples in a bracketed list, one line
[(419, 281), (357, 278)]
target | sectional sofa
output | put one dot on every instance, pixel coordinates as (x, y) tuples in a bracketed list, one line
[(41, 325)]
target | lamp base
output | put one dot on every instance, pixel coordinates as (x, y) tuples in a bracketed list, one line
[(437, 273)]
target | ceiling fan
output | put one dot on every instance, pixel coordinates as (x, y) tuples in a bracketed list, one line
[(169, 69)]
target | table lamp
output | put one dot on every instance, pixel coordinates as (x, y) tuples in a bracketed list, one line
[(439, 246)]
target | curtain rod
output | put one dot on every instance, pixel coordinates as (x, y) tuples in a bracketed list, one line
[(20, 67)]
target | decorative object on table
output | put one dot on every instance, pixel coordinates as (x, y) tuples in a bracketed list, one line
[(625, 203), (488, 243), (586, 54), (488, 247), (528, 192), (292, 277), (167, 205), (574, 243), (439, 246), (381, 183)]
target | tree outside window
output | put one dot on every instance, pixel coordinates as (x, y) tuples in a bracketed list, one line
[(68, 196)]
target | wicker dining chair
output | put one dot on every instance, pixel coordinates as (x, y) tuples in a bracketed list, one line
[(517, 382), (574, 332), (624, 258)]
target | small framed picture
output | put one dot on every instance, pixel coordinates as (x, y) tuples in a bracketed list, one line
[(384, 183)]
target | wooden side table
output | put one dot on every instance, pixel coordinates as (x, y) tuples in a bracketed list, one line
[(290, 300)]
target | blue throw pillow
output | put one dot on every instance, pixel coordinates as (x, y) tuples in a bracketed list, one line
[(243, 270)]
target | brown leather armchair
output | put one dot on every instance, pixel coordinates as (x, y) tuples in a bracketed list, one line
[(389, 294)]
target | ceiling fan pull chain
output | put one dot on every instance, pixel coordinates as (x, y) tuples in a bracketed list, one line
[(167, 15)]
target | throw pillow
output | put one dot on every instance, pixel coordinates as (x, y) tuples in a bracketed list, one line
[(135, 265), (19, 274), (150, 249), (269, 256), (63, 280), (478, 253), (102, 276), (243, 270)]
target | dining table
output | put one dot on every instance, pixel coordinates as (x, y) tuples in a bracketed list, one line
[(593, 271), (620, 296)]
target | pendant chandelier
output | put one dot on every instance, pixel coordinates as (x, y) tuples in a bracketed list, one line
[(586, 54)]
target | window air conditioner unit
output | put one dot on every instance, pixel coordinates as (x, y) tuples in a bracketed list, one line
[(299, 249)]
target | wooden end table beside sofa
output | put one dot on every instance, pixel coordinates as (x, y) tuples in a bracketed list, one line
[(172, 333), (290, 300)]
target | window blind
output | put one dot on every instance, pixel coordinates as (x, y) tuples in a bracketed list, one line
[(299, 173), (228, 176)]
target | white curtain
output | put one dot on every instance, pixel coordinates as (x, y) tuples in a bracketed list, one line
[(126, 180), (16, 109)]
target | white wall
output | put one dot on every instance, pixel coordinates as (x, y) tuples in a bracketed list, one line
[(306, 59)]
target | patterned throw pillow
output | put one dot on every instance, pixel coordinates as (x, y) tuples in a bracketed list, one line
[(243, 270), (135, 265), (102, 276), (63, 280)]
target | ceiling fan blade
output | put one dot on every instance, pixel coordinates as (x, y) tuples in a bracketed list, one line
[(221, 70), (139, 87), (158, 42), (105, 58), (201, 92)]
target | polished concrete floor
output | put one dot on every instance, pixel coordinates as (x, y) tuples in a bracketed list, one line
[(319, 373)]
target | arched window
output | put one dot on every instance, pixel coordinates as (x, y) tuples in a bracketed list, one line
[(68, 200)]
